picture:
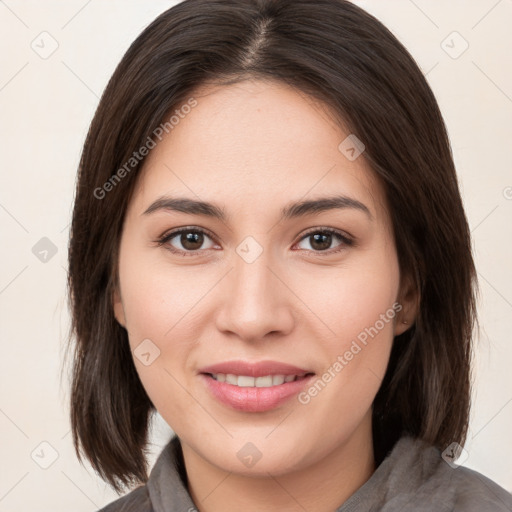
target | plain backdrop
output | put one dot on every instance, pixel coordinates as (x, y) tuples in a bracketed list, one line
[(56, 58)]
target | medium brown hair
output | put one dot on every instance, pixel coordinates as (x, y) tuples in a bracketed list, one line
[(338, 53)]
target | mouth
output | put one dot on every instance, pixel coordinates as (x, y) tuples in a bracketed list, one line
[(254, 387)]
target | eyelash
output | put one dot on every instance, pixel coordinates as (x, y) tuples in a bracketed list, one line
[(166, 237)]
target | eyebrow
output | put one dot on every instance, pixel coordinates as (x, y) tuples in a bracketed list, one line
[(291, 211)]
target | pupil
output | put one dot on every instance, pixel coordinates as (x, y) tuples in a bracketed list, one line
[(322, 245)]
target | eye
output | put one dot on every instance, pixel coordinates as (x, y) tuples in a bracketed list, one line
[(321, 240), (189, 240)]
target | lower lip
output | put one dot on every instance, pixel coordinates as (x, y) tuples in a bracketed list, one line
[(253, 399)]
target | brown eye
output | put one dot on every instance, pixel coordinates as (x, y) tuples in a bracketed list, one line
[(186, 240), (321, 240), (191, 240)]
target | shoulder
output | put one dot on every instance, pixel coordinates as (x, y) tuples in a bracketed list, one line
[(464, 489), (475, 492), (135, 501), (419, 476)]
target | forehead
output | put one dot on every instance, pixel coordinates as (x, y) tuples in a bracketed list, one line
[(255, 145)]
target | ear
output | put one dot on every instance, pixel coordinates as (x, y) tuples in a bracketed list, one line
[(409, 298), (117, 305)]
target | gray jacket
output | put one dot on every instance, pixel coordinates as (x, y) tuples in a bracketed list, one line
[(412, 478)]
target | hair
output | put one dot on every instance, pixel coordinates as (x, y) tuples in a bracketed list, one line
[(338, 53)]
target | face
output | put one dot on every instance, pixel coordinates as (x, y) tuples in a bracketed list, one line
[(250, 326)]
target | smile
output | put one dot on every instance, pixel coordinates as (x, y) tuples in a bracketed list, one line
[(249, 394)]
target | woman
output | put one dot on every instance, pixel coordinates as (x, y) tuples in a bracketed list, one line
[(269, 248)]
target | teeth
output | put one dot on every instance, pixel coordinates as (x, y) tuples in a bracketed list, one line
[(244, 381), (263, 382), (279, 379), (232, 379)]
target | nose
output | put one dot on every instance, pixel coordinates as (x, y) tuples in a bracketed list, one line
[(255, 301)]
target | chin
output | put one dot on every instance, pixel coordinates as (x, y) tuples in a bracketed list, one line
[(255, 458)]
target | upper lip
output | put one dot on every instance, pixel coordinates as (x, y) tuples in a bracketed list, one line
[(256, 369)]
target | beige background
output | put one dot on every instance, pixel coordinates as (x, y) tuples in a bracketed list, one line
[(46, 105)]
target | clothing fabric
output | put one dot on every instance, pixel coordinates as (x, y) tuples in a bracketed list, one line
[(412, 478)]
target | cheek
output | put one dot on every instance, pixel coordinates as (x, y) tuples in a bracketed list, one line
[(158, 300), (159, 306), (363, 305), (355, 364), (359, 305), (352, 298)]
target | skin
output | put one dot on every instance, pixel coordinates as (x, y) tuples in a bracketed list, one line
[(252, 148)]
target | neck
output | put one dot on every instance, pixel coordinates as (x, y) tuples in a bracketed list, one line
[(322, 487)]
